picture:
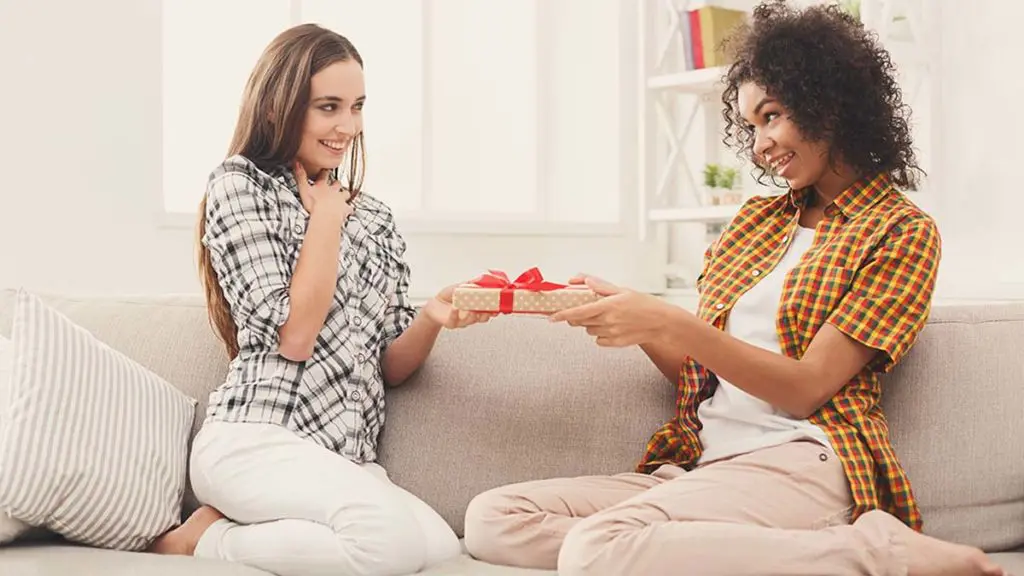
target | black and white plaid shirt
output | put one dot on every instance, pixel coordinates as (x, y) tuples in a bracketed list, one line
[(255, 223)]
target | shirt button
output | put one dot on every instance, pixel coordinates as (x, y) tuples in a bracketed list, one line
[(361, 358), (358, 320), (356, 395), (297, 229), (756, 272), (719, 306), (785, 239)]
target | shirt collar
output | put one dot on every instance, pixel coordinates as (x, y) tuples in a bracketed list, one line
[(860, 196)]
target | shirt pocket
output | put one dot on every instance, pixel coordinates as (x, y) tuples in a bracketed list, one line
[(810, 293)]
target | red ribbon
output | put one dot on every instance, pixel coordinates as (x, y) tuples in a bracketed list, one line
[(531, 280)]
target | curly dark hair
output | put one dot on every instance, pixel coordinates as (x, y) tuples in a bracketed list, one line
[(837, 81)]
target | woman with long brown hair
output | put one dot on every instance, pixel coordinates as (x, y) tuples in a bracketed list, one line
[(306, 285)]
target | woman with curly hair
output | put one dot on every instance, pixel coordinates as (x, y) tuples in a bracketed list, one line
[(778, 460)]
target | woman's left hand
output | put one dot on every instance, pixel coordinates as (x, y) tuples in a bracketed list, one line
[(440, 310), (622, 317)]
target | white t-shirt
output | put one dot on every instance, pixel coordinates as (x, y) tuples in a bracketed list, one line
[(735, 422)]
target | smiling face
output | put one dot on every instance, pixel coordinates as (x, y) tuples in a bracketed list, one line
[(779, 145), (334, 116)]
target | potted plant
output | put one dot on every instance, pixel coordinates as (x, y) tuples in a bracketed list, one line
[(710, 183), (728, 180), (720, 185)]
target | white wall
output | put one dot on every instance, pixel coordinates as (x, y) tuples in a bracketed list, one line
[(82, 150), (81, 120), (982, 204)]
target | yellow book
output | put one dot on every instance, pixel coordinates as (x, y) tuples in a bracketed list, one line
[(715, 25)]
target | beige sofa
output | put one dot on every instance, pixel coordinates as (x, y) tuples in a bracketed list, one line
[(520, 399)]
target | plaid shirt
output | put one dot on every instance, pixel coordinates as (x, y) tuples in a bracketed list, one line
[(870, 272), (255, 224)]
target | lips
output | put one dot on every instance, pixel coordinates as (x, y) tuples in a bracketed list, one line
[(779, 164), (335, 146)]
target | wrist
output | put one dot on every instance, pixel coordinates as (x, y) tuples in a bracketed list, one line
[(331, 210), (432, 310), (676, 323)]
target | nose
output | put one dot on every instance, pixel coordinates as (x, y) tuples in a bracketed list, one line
[(762, 143), (345, 124)]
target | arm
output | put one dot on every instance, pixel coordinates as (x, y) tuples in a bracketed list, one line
[(408, 337), (313, 285), (250, 256), (407, 352), (666, 354), (798, 387), (315, 279), (877, 321)]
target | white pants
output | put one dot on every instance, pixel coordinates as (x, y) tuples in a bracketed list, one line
[(295, 508)]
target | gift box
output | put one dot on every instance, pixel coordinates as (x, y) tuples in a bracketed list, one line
[(527, 294)]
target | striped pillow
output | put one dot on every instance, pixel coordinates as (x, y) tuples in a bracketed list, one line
[(10, 528), (95, 447)]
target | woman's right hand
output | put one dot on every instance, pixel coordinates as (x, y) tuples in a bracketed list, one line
[(322, 194)]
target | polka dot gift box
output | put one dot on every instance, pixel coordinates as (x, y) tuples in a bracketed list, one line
[(527, 294)]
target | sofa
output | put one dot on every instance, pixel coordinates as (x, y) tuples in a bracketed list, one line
[(520, 398)]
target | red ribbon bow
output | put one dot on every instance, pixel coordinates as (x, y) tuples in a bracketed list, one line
[(531, 280)]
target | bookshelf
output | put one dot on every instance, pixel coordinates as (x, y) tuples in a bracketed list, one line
[(680, 126)]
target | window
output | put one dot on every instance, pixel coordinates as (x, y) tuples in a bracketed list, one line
[(477, 112)]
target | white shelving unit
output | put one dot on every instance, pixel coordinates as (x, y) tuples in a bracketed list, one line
[(680, 123)]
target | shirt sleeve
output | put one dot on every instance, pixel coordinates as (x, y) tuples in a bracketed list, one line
[(709, 253), (249, 254), (400, 311), (889, 300)]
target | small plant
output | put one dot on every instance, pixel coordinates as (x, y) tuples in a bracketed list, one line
[(721, 178), (728, 178), (711, 175)]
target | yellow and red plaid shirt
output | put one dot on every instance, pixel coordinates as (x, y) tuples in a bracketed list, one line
[(870, 272)]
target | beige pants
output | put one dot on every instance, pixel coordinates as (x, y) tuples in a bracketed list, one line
[(782, 510)]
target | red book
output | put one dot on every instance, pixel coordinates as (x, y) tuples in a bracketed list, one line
[(696, 46)]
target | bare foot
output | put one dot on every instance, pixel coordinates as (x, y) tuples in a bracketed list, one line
[(927, 556), (183, 539)]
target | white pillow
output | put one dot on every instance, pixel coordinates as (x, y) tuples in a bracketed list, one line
[(9, 527), (95, 448)]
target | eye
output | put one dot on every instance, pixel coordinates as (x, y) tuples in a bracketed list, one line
[(329, 107), (769, 116)]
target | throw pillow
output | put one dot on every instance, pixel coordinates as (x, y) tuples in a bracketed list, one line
[(10, 528), (95, 447)]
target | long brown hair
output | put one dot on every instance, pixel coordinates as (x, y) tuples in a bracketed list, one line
[(269, 131)]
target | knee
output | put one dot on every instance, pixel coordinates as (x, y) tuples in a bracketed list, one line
[(381, 539), (588, 549), (487, 524)]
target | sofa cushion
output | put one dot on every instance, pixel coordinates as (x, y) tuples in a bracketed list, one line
[(93, 445), (519, 399), (49, 559), (956, 412)]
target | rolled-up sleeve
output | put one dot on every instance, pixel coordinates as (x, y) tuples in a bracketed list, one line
[(889, 300), (249, 254), (400, 312)]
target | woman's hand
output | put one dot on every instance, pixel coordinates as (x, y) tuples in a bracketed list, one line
[(439, 309), (322, 194), (621, 317)]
